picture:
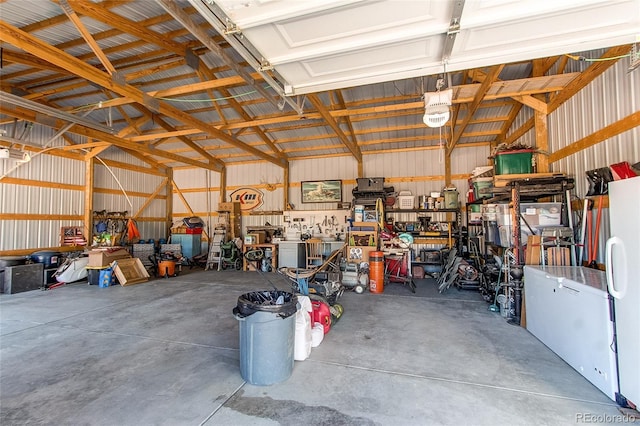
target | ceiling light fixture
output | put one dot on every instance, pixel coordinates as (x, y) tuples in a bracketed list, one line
[(436, 108), (14, 154)]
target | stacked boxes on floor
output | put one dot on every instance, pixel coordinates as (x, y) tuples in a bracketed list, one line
[(99, 267)]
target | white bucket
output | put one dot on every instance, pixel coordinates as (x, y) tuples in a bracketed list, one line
[(317, 334), (502, 302), (358, 213), (302, 344)]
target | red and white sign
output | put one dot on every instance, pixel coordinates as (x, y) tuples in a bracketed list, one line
[(248, 198)]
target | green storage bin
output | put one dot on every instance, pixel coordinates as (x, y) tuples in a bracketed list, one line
[(514, 162)]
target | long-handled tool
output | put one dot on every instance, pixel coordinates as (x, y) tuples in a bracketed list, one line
[(585, 217), (593, 253)]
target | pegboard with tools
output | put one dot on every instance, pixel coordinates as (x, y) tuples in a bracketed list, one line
[(325, 224)]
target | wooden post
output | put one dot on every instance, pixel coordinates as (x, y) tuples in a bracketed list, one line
[(447, 167), (285, 187), (169, 200), (542, 141), (88, 199), (223, 186)]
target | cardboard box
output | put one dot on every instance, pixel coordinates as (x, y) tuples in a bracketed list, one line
[(359, 254), (103, 258), (229, 207), (260, 237), (130, 271)]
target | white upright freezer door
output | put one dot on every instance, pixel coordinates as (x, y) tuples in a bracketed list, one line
[(623, 276)]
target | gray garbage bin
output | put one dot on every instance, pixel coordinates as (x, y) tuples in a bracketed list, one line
[(267, 336)]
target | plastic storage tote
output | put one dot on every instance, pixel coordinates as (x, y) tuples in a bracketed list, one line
[(514, 162)]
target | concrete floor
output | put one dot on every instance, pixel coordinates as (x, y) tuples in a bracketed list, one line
[(166, 353)]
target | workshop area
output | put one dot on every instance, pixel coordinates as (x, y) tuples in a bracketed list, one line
[(390, 212)]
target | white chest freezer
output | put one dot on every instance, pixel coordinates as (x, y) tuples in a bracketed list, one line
[(569, 310)]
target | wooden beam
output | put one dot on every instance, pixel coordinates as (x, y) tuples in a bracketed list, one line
[(629, 122), (528, 125), (86, 145), (352, 132), (150, 198), (186, 89), (528, 100), (10, 56), (587, 76), (515, 110), (351, 146), (535, 104), (203, 36), (194, 146), (127, 26), (490, 78), (118, 191), (114, 140), (32, 45), (162, 135), (42, 184), (35, 216), (73, 17)]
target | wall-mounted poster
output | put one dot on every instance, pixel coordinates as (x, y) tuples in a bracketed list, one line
[(322, 191)]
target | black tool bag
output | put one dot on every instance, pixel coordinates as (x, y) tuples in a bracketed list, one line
[(193, 222), (599, 181)]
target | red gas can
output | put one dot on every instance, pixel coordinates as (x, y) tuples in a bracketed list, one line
[(321, 314)]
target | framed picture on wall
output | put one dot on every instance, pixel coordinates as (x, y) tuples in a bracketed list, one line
[(322, 191)]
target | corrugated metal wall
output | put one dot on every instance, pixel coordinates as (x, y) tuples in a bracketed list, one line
[(420, 172), (609, 98), (201, 191), (37, 203), (334, 168), (118, 190), (41, 205)]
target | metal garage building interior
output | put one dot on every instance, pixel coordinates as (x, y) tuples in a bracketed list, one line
[(162, 110)]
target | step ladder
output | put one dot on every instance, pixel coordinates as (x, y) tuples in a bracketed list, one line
[(219, 236)]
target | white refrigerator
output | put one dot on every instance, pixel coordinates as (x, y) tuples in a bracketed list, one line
[(623, 281)]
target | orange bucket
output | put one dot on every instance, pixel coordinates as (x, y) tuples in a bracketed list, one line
[(376, 271), (166, 268)]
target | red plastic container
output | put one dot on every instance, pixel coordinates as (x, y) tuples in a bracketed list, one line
[(321, 314), (194, 230)]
